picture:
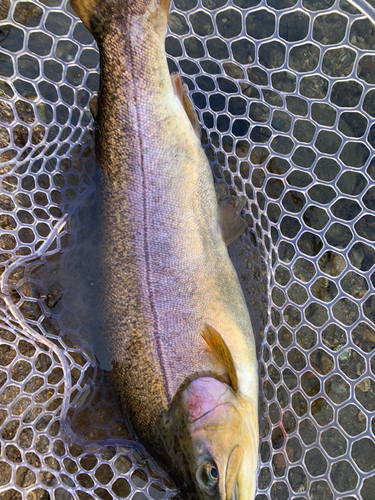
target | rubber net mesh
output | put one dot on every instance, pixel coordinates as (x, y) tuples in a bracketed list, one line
[(285, 93)]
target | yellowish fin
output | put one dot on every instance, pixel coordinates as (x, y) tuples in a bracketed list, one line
[(231, 224), (84, 9), (94, 107), (222, 353), (181, 91)]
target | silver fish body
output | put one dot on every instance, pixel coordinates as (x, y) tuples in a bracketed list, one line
[(166, 268)]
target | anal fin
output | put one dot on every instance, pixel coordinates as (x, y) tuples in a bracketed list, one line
[(94, 106), (231, 224), (181, 91)]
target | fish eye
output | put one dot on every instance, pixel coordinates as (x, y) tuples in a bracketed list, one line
[(214, 473), (208, 475)]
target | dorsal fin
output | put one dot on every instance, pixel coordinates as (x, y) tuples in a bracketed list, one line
[(222, 353)]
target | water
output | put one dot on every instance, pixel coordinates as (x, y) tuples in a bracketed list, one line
[(285, 94)]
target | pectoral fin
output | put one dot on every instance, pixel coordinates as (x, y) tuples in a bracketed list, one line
[(231, 224), (222, 353)]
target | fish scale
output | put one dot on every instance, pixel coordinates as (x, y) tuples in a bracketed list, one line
[(284, 385)]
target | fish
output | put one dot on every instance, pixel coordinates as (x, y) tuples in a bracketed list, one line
[(172, 309)]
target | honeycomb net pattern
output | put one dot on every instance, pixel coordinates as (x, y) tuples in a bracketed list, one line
[(285, 93)]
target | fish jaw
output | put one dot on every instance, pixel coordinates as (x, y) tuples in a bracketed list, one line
[(218, 432)]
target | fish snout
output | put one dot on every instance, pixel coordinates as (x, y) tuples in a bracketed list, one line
[(246, 476), (233, 466)]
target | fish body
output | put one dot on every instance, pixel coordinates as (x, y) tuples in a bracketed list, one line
[(167, 273)]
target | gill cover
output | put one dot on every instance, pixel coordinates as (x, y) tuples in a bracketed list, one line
[(210, 435), (223, 429)]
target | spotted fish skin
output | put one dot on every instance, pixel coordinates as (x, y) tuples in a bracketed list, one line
[(166, 269)]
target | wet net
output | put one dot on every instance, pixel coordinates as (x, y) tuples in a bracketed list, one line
[(285, 93)]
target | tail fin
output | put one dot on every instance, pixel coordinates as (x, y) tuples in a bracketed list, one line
[(84, 10), (96, 14)]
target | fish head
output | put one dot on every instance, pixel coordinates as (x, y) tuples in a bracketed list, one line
[(216, 452)]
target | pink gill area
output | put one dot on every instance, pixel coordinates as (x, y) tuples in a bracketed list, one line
[(203, 395)]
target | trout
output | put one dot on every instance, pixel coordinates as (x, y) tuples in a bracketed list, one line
[(173, 311)]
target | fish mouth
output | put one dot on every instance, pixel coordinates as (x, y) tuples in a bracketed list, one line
[(231, 474)]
